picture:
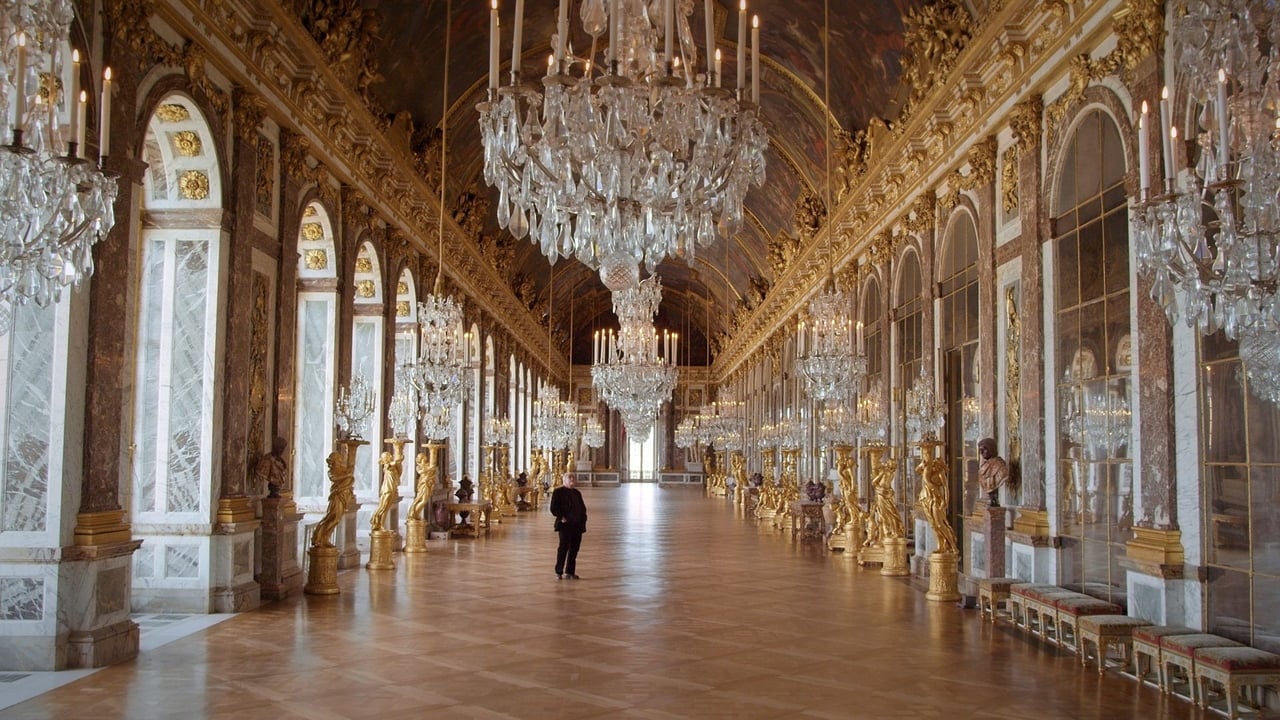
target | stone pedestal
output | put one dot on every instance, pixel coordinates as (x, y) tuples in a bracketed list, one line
[(381, 543), (942, 577), (871, 555), (234, 588), (281, 575), (894, 562), (987, 542), (849, 541), (322, 571), (95, 605), (345, 539)]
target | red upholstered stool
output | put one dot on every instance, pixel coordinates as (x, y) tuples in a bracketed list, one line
[(1067, 613), (991, 593), (1179, 651), (1019, 595), (1235, 669), (1146, 651), (1105, 632), (1042, 612)]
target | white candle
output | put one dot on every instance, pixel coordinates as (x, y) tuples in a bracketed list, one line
[(1144, 153), (1173, 159), (20, 83), (614, 29), (515, 41), (72, 109), (755, 59), (81, 108), (668, 27), (717, 67), (860, 345), (495, 39), (1164, 134), (709, 18), (742, 45), (562, 31), (551, 64), (675, 348), (1224, 143), (104, 124)]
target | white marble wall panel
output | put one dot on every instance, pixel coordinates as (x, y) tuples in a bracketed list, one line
[(978, 552), (176, 576), (28, 425), (21, 598), (144, 561), (147, 383), (1187, 468), (187, 378), (366, 348), (181, 561), (314, 424)]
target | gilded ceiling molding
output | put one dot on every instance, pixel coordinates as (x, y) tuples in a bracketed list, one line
[(1139, 30), (249, 113), (1026, 121)]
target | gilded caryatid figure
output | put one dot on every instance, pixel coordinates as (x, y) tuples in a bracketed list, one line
[(739, 464), (388, 494), (341, 497), (426, 484), (537, 468), (935, 496), (886, 521), (847, 510)]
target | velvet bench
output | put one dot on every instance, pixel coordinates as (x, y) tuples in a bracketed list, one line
[(1235, 669), (1105, 632)]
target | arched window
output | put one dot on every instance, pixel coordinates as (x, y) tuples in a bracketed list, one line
[(406, 352), (366, 362), (1093, 359), (958, 340), (910, 350), (314, 365), (177, 350)]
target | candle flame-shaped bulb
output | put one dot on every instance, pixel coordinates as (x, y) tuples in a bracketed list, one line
[(106, 73), (1164, 93), (755, 20), (1144, 107)]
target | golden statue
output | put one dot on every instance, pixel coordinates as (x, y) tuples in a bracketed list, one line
[(388, 494), (739, 463), (341, 496), (426, 485), (886, 522), (537, 468), (935, 497), (847, 509)]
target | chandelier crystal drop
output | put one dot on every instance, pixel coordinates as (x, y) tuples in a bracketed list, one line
[(870, 422), (627, 154), (837, 425), (831, 358), (497, 431), (441, 376), (555, 421), (592, 433), (402, 413), (634, 369), (1210, 236), (54, 205)]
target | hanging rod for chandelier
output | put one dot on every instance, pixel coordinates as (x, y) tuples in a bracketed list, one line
[(631, 152)]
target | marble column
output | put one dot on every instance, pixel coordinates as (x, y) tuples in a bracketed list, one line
[(233, 539), (98, 565), (1032, 523)]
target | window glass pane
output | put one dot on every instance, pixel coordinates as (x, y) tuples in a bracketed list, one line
[(1221, 413), (1088, 152), (1068, 271), (1112, 154), (1115, 266), (1228, 490), (1228, 608), (1091, 258), (1264, 418), (1266, 613), (1264, 496)]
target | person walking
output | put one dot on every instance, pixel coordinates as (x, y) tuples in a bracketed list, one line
[(571, 523)]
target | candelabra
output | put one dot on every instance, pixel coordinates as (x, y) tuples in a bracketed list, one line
[(402, 414), (925, 416), (1209, 236), (564, 157), (354, 405), (593, 434), (54, 205), (870, 423), (830, 355)]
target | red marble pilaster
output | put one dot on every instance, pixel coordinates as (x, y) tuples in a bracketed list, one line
[(1031, 300)]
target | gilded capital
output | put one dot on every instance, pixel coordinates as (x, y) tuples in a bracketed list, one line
[(1026, 121)]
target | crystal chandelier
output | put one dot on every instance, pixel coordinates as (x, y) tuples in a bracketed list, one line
[(629, 156), (592, 433), (792, 433), (555, 421), (1209, 236), (354, 405), (830, 362), (837, 426), (634, 369), (402, 413), (925, 416), (441, 376), (54, 205), (497, 431)]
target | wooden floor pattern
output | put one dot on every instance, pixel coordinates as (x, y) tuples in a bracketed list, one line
[(684, 610)]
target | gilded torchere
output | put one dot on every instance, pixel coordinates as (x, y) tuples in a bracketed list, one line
[(788, 486), (489, 483), (416, 526), (508, 505), (322, 571), (766, 502), (557, 462), (537, 468), (935, 501), (739, 464), (846, 530), (382, 540)]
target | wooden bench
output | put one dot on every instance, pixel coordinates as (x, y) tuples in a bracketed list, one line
[(1105, 632), (992, 592), (1147, 658), (1179, 651), (1235, 669)]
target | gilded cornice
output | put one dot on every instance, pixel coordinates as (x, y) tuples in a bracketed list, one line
[(263, 47), (1030, 39), (250, 112)]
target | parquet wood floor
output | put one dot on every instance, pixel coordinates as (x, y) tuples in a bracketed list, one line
[(684, 610)]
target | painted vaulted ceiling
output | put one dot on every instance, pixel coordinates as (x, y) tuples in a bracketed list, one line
[(699, 301)]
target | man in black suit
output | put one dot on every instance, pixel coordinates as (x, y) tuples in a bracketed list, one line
[(571, 523)]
